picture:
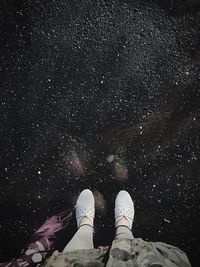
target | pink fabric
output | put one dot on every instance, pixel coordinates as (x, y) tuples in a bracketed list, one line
[(42, 241)]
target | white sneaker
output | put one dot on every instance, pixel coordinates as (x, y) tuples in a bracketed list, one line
[(124, 208), (85, 206)]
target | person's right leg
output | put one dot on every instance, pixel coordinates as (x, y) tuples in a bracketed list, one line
[(123, 232), (124, 214), (121, 248)]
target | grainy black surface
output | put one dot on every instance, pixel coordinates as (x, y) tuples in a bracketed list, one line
[(105, 95)]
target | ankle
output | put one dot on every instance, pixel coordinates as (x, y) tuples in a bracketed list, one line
[(89, 225), (123, 222), (86, 221)]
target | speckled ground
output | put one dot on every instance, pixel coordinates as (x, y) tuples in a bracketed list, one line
[(105, 95)]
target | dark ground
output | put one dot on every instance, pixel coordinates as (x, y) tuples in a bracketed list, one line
[(105, 95)]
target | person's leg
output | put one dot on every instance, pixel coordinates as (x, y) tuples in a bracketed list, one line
[(83, 239), (123, 232), (85, 208), (121, 249), (124, 214)]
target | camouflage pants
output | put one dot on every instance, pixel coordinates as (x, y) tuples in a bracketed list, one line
[(123, 252)]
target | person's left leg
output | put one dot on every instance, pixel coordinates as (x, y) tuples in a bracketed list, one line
[(85, 208), (83, 239)]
